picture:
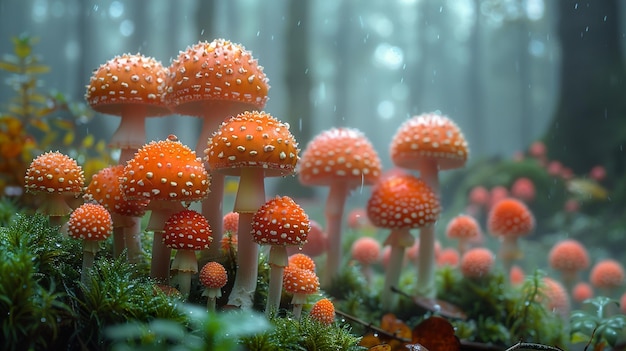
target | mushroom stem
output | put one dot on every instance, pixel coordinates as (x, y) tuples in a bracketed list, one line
[(212, 211), (509, 252), (184, 283), (118, 241), (334, 214), (131, 133), (247, 265), (210, 304), (132, 238), (278, 260), (160, 265), (298, 301), (426, 254), (399, 239), (90, 248)]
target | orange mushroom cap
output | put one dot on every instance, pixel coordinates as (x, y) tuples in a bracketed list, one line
[(280, 221), (477, 262), (607, 274), (323, 311), (402, 201), (90, 222), (105, 189), (54, 173), (366, 250), (339, 155), (302, 261), (300, 281), (253, 139), (217, 71), (429, 136), (231, 222), (510, 217), (165, 170), (128, 80), (187, 230), (463, 227), (213, 275), (568, 255)]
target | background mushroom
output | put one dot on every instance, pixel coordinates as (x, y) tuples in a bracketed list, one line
[(342, 159), (215, 80), (91, 223), (279, 223), (301, 283), (213, 277), (252, 146), (508, 220)]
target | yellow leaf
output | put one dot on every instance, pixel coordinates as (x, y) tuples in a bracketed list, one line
[(37, 69), (69, 138), (101, 146), (9, 67), (63, 124), (88, 141), (41, 125)]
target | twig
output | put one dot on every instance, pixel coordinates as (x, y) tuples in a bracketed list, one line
[(373, 328), (533, 346)]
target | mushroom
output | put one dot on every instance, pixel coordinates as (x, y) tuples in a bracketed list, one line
[(323, 311), (463, 228), (132, 87), (302, 261), (213, 277), (301, 283), (105, 189), (401, 202), (54, 176), (366, 251), (428, 143), (448, 256), (477, 263), (607, 276), (91, 223), (554, 296), (252, 145), (167, 173), (186, 231), (568, 257), (508, 220), (581, 292), (213, 81), (342, 159), (280, 222)]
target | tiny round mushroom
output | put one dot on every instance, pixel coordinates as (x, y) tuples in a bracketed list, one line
[(53, 177), (323, 311), (608, 276), (463, 228), (166, 173), (215, 80), (132, 87), (400, 203), (186, 231), (428, 143), (252, 145), (477, 263), (342, 159), (303, 261), (508, 220), (366, 251), (213, 277), (581, 292), (280, 222), (105, 189), (301, 283), (91, 223), (568, 257)]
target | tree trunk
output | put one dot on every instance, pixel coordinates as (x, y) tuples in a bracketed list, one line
[(588, 128)]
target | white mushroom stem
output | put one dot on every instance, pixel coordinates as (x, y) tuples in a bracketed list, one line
[(250, 197), (131, 133), (212, 295), (509, 251), (334, 215), (90, 248), (426, 254), (132, 238), (161, 211), (298, 301), (399, 240), (185, 264), (278, 260)]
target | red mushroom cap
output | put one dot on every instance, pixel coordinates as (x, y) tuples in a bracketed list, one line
[(323, 311), (339, 155), (607, 274), (429, 136), (300, 281), (568, 255), (253, 139), (217, 71), (582, 291), (165, 170), (366, 250), (280, 221), (105, 189), (90, 222), (54, 173), (477, 262), (402, 201), (213, 275), (302, 261), (510, 217), (231, 222), (463, 227), (187, 230), (128, 80), (448, 257)]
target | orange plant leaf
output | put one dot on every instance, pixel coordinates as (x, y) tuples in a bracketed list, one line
[(436, 334), (381, 347), (369, 340)]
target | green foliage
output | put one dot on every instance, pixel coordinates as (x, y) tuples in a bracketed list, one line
[(32, 257), (304, 334), (598, 326)]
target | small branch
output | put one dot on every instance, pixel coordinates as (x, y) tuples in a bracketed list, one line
[(533, 346), (373, 328)]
